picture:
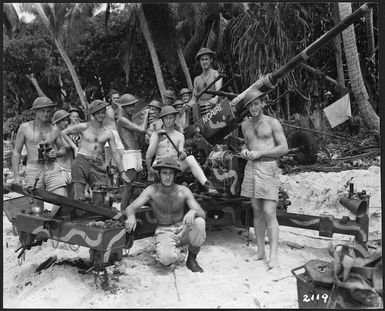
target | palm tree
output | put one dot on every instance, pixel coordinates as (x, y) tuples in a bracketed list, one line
[(369, 116), (11, 21), (64, 21)]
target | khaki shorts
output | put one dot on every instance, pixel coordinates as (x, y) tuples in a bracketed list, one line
[(132, 159), (50, 176), (261, 180)]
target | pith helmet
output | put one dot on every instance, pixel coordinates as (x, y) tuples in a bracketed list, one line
[(204, 51), (184, 91), (42, 102), (127, 99), (177, 103), (59, 115), (97, 105), (166, 111), (167, 163), (251, 96), (169, 93), (156, 104)]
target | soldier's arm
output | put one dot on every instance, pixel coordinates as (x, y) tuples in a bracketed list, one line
[(193, 204), (140, 201), (127, 124), (20, 141), (153, 145)]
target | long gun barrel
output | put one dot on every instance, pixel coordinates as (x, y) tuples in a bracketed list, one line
[(226, 116)]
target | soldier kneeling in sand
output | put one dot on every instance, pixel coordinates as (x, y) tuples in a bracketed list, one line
[(175, 228)]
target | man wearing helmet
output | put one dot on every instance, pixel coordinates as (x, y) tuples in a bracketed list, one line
[(88, 168), (264, 143), (128, 132), (162, 147), (44, 145), (181, 121), (175, 228), (169, 97), (205, 57), (61, 120)]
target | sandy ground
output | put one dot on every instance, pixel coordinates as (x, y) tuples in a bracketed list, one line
[(232, 278)]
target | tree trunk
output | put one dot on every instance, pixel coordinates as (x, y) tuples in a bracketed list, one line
[(33, 80), (65, 57), (183, 64), (369, 116), (370, 32), (154, 55), (337, 48)]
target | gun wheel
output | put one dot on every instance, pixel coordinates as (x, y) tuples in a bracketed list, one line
[(309, 147)]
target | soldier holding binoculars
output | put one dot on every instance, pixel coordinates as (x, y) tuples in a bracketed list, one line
[(44, 144)]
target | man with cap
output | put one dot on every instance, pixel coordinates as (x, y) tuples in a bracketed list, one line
[(169, 97), (154, 122), (88, 168), (132, 157), (265, 142), (60, 120), (205, 57), (44, 145), (174, 228), (163, 147), (112, 114), (74, 116)]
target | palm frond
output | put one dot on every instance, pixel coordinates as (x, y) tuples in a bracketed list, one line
[(11, 20)]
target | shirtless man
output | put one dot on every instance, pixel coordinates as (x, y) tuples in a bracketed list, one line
[(205, 57), (88, 168), (175, 229), (161, 146), (61, 120), (132, 157), (110, 122), (185, 95), (33, 135), (264, 143)]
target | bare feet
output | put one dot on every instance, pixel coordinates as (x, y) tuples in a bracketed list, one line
[(260, 256), (272, 263)]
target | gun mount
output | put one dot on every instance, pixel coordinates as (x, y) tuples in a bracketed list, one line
[(226, 116)]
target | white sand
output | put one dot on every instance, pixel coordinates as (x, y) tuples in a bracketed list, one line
[(232, 279)]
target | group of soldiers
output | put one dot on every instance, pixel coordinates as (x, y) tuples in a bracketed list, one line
[(62, 151)]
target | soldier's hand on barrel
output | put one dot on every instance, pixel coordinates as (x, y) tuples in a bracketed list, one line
[(188, 219), (182, 155), (130, 223), (213, 101)]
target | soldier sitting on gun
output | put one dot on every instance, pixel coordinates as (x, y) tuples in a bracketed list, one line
[(162, 147)]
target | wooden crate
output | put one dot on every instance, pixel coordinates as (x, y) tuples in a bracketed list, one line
[(14, 203)]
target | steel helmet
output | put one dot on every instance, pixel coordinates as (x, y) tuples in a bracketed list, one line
[(97, 105), (169, 94), (204, 51), (127, 99), (167, 163), (177, 103), (156, 104), (42, 102), (251, 95), (166, 111), (59, 115), (184, 91)]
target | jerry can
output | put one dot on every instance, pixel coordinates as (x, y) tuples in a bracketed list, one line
[(315, 284)]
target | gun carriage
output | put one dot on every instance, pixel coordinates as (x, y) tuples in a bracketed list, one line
[(100, 228)]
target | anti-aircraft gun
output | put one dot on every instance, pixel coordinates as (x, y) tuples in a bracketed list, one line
[(94, 226)]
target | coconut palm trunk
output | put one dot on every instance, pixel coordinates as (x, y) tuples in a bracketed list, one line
[(65, 57), (185, 70), (153, 53), (33, 80), (369, 116), (370, 32)]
